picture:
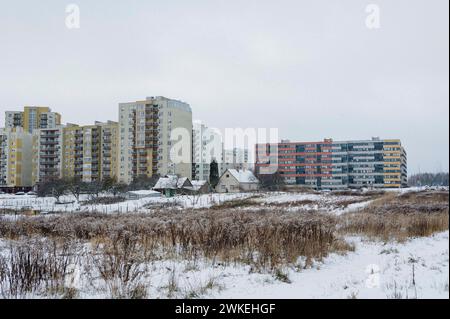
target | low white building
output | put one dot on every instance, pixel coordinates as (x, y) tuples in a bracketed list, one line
[(235, 181), (133, 195)]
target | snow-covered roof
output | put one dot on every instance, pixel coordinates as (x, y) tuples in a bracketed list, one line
[(171, 182), (166, 183), (198, 183), (243, 176), (181, 181)]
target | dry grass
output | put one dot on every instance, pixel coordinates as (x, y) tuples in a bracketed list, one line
[(400, 217), (267, 239), (104, 201), (262, 238), (32, 265), (237, 203)]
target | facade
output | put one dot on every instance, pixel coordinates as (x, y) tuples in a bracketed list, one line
[(235, 181), (206, 146), (337, 165), (90, 152), (32, 118), (81, 152), (15, 158), (236, 158), (145, 145), (47, 154)]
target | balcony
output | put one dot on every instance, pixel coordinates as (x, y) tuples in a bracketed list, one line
[(48, 155), (49, 142)]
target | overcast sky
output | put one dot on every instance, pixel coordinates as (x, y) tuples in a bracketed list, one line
[(311, 68)]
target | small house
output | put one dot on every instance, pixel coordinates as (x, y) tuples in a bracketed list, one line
[(172, 185), (235, 181), (134, 195)]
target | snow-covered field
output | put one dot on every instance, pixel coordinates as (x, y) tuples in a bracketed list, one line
[(326, 201), (416, 268), (48, 204), (375, 270)]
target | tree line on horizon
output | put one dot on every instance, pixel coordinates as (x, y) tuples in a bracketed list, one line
[(429, 179)]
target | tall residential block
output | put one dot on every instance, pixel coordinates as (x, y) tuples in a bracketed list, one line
[(206, 146), (47, 154), (146, 146), (337, 165), (15, 158), (90, 152), (236, 158), (32, 118)]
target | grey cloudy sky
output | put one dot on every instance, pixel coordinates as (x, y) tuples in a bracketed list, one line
[(309, 67)]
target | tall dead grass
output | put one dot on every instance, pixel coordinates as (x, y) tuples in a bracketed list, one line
[(32, 265), (269, 239), (400, 217), (262, 238)]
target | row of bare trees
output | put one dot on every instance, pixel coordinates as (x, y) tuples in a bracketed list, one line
[(75, 186)]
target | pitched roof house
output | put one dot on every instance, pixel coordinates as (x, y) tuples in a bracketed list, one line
[(171, 185), (234, 181)]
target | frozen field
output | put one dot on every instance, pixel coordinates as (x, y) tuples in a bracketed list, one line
[(375, 270), (69, 204), (394, 245)]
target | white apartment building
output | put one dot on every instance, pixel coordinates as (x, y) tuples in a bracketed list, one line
[(155, 137), (206, 146), (32, 118), (15, 157), (236, 158)]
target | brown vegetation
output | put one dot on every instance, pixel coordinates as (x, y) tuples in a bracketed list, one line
[(267, 239), (400, 217)]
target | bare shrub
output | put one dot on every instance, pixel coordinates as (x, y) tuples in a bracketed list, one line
[(282, 276), (120, 264), (104, 201), (236, 203), (34, 266)]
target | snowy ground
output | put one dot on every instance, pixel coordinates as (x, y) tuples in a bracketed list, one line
[(418, 268), (48, 204), (323, 201), (374, 270)]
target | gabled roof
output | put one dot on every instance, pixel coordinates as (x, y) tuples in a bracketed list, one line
[(243, 176), (197, 185), (183, 181), (172, 182)]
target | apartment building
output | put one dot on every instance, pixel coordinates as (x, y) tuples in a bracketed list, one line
[(109, 167), (236, 158), (32, 118), (206, 146), (15, 158), (47, 154), (90, 152), (146, 146), (337, 165)]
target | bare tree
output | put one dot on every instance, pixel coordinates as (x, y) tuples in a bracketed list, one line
[(76, 187)]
